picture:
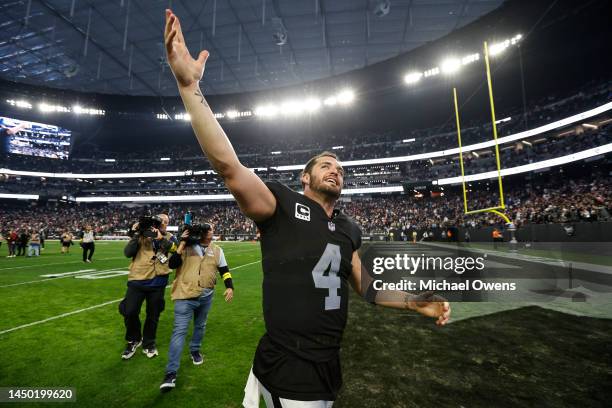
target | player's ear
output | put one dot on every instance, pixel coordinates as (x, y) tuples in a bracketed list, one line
[(305, 178)]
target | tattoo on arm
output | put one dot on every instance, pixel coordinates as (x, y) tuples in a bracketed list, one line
[(202, 100)]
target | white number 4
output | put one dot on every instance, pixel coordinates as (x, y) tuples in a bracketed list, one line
[(330, 260)]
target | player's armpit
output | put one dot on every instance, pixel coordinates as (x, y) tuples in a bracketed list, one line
[(253, 197)]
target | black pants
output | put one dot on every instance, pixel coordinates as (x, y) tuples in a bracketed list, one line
[(87, 247), (21, 249), (130, 309)]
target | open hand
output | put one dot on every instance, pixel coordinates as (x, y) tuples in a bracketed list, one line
[(228, 294), (186, 70)]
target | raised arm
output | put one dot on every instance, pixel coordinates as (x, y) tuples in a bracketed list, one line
[(426, 304), (255, 200)]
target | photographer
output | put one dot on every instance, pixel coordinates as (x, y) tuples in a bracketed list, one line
[(197, 261), (147, 280)]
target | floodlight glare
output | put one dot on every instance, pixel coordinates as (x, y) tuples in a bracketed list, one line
[(312, 104), (431, 72), (331, 101), (450, 65), (498, 48), (413, 77), (346, 96), (291, 108), (470, 58), (266, 111), (231, 114)]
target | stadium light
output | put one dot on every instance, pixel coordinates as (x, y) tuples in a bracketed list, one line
[(408, 140), (331, 101), (337, 147), (77, 109), (232, 114), (267, 111), (276, 152), (312, 104), (413, 77), (165, 159), (19, 196), (162, 116), (110, 160), (346, 97), (450, 65), (470, 58), (19, 104), (431, 72), (291, 108), (44, 107), (182, 116), (498, 48)]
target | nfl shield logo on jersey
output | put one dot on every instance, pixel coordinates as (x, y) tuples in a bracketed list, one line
[(331, 226)]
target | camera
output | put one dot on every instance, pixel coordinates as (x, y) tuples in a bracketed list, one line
[(146, 223), (196, 233)]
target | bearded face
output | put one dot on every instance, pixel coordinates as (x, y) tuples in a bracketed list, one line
[(326, 177)]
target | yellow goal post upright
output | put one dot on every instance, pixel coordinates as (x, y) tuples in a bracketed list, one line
[(498, 210)]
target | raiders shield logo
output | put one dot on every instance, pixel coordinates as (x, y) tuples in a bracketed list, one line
[(331, 226)]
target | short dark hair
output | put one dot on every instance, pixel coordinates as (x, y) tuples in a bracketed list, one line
[(313, 160)]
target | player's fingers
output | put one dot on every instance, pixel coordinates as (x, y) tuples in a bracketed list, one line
[(169, 41), (203, 57), (179, 30), (168, 24)]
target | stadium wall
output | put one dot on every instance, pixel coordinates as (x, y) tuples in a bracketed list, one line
[(582, 232)]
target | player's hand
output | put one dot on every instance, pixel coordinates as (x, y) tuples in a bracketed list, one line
[(184, 235), (431, 305), (186, 70), (228, 294)]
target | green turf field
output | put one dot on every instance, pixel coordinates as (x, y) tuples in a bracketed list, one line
[(67, 332)]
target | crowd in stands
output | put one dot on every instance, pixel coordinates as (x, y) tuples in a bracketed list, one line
[(580, 200), (512, 155)]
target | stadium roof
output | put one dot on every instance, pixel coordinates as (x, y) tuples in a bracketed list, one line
[(116, 46)]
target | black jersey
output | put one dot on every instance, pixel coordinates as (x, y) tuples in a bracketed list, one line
[(306, 259)]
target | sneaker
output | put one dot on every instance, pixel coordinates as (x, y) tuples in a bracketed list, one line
[(130, 349), (168, 383), (197, 358), (150, 352), (88, 261)]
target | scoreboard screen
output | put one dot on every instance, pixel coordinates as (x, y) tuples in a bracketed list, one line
[(34, 139)]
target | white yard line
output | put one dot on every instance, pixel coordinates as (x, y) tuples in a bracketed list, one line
[(23, 326), (57, 263), (50, 279), (57, 275)]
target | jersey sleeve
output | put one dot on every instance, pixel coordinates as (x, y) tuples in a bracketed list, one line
[(224, 270), (354, 232), (283, 195)]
